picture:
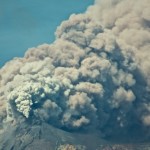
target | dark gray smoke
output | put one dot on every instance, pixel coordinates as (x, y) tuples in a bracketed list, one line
[(96, 75)]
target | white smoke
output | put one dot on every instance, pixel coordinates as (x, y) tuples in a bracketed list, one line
[(96, 73)]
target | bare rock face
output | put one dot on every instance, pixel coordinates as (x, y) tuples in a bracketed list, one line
[(42, 136), (113, 147), (71, 147), (135, 146), (45, 137)]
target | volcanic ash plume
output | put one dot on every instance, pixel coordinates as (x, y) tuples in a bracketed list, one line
[(96, 75)]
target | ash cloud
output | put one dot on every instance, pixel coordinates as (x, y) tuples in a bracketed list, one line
[(95, 75)]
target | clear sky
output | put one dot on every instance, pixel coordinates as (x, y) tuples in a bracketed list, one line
[(28, 23)]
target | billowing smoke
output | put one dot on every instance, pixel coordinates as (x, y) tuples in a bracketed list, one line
[(96, 75)]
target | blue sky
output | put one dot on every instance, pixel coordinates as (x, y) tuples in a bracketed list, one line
[(28, 23)]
